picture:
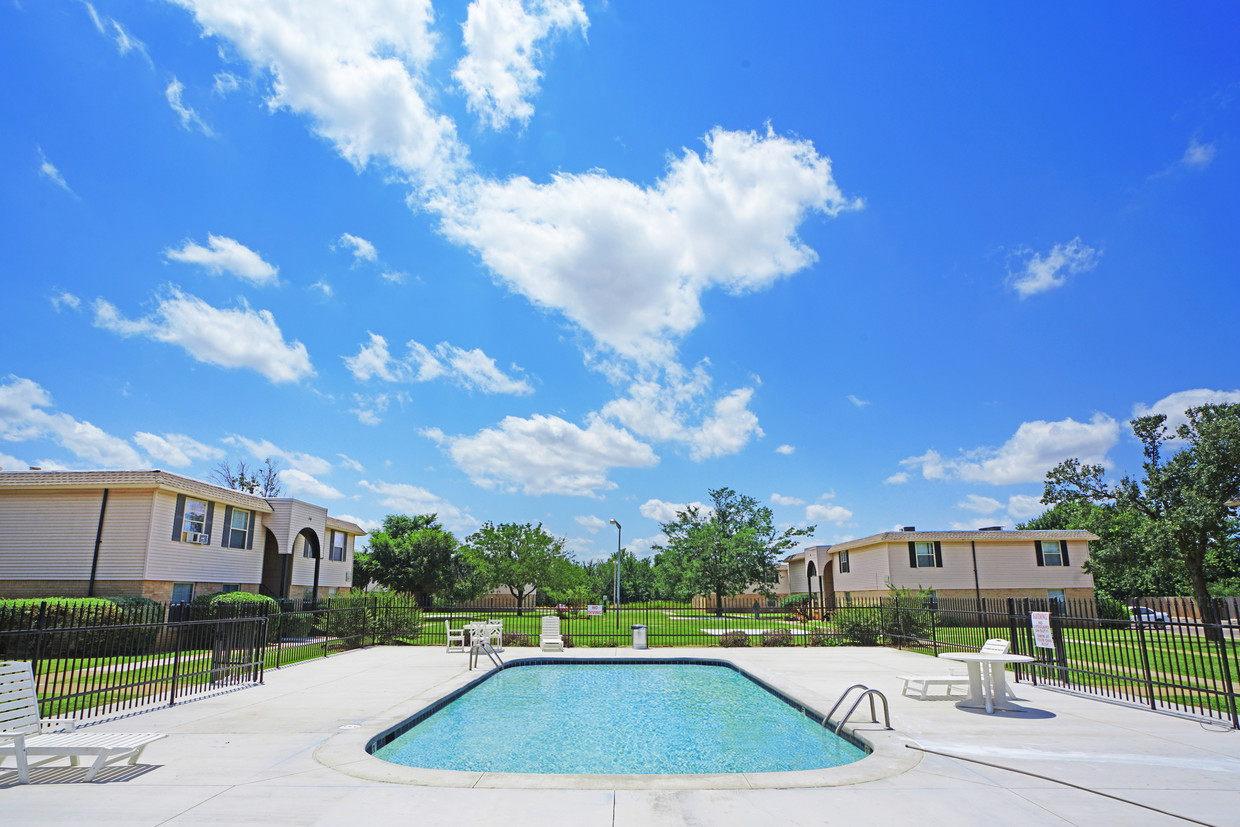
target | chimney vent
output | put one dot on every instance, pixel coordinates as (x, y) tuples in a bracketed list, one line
[(910, 528)]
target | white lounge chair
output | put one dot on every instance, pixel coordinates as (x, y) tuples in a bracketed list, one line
[(23, 734), (456, 637), (924, 682), (550, 640)]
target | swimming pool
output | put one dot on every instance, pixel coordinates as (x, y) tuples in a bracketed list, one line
[(616, 716)]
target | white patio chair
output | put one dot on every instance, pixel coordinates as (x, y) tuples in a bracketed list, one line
[(23, 734), (456, 637), (550, 639), (493, 631)]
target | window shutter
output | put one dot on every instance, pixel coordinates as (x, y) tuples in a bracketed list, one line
[(938, 554), (1063, 551), (1037, 549), (210, 519), (226, 534), (178, 517), (249, 537), (912, 554)]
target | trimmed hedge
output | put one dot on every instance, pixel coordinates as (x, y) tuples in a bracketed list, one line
[(86, 616)]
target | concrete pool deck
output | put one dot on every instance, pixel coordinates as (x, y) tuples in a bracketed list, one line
[(280, 754)]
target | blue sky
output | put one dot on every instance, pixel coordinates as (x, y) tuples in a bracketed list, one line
[(570, 261)]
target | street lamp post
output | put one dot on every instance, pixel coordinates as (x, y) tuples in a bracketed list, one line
[(617, 525)]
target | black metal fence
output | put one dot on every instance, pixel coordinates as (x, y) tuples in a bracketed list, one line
[(89, 671), (94, 661)]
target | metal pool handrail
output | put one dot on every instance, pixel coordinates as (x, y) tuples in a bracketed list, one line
[(861, 686), (874, 718), (479, 645)]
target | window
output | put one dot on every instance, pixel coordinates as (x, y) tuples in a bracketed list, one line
[(930, 599), (230, 587), (843, 561), (194, 524), (1051, 552), (182, 592), (848, 598), (339, 538), (238, 528), (925, 555), (1056, 596)]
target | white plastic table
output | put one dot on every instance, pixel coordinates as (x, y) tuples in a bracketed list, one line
[(991, 694)]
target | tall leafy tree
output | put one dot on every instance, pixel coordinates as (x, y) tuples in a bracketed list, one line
[(724, 549), (1183, 496), (415, 555), (521, 558)]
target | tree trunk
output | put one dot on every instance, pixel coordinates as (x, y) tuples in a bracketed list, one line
[(718, 604), (1205, 603)]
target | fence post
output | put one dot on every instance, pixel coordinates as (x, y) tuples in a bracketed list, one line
[(279, 635), (1223, 659), (934, 630), (176, 667), (38, 641), (1145, 659)]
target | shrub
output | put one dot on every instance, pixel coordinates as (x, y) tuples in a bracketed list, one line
[(799, 606), (383, 617), (821, 637), (950, 620), (87, 616), (516, 639), (777, 637), (734, 639), (568, 640), (1109, 609), (139, 609), (859, 626)]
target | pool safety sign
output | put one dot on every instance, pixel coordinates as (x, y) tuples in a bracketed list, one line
[(592, 610), (1042, 630)]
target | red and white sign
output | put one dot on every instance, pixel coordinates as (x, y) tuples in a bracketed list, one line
[(1042, 630), (593, 610)]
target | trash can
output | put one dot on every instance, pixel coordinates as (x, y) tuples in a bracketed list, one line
[(639, 636)]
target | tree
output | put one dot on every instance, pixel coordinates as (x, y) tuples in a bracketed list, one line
[(724, 549), (263, 481), (522, 558), (415, 555), (1183, 497)]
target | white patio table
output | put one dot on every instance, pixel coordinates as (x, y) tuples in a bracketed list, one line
[(991, 694)]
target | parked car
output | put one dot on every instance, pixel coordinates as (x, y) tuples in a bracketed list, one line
[(1148, 618)]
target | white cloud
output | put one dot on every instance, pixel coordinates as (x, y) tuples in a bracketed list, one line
[(394, 276), (980, 504), (65, 299), (300, 484), (176, 450), (241, 338), (412, 499), (1174, 405), (362, 249), (189, 118), (109, 27), (780, 499), (665, 512), (370, 409), (262, 449), (1034, 449), (898, 478), (546, 455), (662, 404), (1198, 155), (860, 403), (12, 463), (1039, 274), (369, 526), (48, 170), (23, 419), (825, 511), (350, 463), (225, 83), (786, 450), (226, 255), (355, 69), (971, 525), (628, 264), (591, 523), (471, 369), (324, 288), (1024, 506), (498, 71)]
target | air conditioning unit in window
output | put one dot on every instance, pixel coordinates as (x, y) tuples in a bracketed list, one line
[(195, 537), (203, 539)]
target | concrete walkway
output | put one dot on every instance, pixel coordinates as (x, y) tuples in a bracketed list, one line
[(262, 756)]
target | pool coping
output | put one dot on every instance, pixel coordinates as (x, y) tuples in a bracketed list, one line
[(347, 752)]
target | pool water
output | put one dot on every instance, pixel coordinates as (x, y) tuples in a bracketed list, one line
[(619, 718)]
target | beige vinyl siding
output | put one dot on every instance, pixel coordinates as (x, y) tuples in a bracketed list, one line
[(797, 578), (868, 570), (48, 535), (190, 562), (126, 529), (1003, 564)]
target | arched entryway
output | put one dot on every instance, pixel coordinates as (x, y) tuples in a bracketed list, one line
[(306, 544), (277, 569)]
